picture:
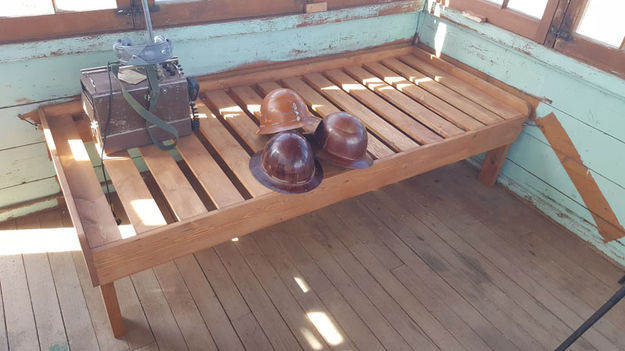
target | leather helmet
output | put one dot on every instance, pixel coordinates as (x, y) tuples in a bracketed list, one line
[(287, 164), (341, 139), (283, 109)]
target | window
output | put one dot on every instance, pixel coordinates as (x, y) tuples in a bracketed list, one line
[(592, 31), (26, 20)]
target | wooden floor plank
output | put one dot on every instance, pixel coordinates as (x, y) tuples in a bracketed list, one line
[(239, 313), (545, 289), (323, 107), (78, 326), (335, 239), (562, 254), (162, 322), (21, 330), (291, 252), (209, 306), (373, 122), (470, 288), (543, 272), (412, 304), (45, 303), (410, 82), (229, 149), (138, 331), (97, 312), (268, 317), (303, 292), (462, 87), (417, 111), (236, 118), (367, 309), (360, 218), (295, 317), (389, 112), (511, 287), (477, 276), (184, 309)]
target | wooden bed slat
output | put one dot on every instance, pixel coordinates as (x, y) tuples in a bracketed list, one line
[(403, 102), (461, 87), (455, 107), (229, 149), (234, 115), (519, 104), (141, 208), (172, 182), (377, 125), (323, 107), (390, 113), (85, 200), (207, 171)]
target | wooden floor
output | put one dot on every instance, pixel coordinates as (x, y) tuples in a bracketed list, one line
[(434, 262)]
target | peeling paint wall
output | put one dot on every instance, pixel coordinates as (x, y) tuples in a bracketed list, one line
[(48, 71), (588, 103)]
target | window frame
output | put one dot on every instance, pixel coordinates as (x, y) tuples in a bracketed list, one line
[(511, 20), (68, 24)]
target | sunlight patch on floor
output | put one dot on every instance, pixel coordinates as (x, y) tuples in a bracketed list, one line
[(29, 241), (302, 284), (325, 327)]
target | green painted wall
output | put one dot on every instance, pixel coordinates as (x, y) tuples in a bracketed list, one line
[(589, 103), (48, 71)]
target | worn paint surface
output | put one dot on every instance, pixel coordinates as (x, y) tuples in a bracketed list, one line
[(48, 71), (589, 105)]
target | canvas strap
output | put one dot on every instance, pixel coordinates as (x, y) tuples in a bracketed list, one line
[(148, 114)]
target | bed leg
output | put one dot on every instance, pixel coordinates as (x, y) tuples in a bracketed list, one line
[(109, 295), (492, 165)]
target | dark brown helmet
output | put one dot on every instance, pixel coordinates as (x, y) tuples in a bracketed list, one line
[(283, 109), (341, 139), (287, 164)]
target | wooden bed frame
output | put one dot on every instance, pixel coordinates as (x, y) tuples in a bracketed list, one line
[(421, 112)]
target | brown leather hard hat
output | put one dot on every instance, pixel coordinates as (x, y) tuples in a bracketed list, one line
[(287, 164), (281, 110), (341, 139)]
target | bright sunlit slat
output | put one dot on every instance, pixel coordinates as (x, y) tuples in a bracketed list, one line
[(325, 327), (49, 140), (148, 211), (78, 150), (350, 87)]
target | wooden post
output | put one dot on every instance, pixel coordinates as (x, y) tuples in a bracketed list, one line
[(492, 165), (109, 295)]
